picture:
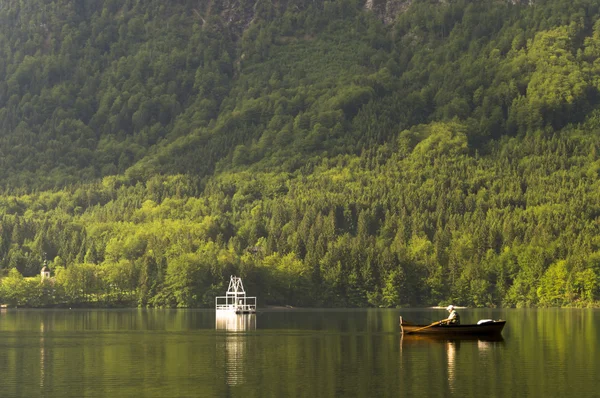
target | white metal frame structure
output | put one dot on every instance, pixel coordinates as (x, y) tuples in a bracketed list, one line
[(235, 299)]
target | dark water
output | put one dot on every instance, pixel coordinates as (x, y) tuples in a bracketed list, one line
[(296, 353)]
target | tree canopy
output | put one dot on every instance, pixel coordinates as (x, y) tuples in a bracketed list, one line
[(328, 154)]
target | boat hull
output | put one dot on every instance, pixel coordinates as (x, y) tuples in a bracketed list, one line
[(484, 329)]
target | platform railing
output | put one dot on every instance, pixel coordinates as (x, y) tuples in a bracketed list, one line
[(233, 303)]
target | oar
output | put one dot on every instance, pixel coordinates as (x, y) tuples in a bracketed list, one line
[(426, 327)]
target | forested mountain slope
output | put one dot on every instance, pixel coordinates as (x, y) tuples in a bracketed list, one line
[(345, 152)]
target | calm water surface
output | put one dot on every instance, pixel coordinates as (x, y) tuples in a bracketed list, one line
[(295, 353)]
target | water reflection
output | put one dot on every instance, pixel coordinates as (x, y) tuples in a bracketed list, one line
[(484, 346), (232, 322), (42, 354), (483, 342), (235, 343), (451, 347), (308, 353), (414, 346)]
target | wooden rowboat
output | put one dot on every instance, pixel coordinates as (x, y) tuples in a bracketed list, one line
[(487, 328)]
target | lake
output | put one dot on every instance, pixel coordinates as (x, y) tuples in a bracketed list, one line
[(293, 353)]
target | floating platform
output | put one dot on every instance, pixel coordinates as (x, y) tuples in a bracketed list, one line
[(235, 300)]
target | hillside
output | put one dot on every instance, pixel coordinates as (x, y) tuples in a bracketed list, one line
[(332, 153)]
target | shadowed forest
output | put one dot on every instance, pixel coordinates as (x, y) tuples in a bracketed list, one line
[(151, 149)]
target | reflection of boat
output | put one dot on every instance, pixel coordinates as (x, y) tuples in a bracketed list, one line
[(481, 340), (451, 347), (489, 327), (235, 299)]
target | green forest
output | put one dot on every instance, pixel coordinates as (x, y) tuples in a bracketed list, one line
[(332, 153)]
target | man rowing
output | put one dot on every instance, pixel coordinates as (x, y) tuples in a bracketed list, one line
[(453, 317)]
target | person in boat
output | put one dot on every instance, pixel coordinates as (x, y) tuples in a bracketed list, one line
[(453, 318)]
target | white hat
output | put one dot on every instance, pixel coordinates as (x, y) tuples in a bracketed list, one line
[(450, 307)]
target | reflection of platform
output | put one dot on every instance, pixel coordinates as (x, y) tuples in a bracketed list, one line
[(233, 322), (235, 343)]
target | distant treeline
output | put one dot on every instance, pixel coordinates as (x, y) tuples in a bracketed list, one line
[(150, 150)]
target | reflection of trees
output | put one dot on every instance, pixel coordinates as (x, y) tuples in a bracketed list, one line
[(235, 343)]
